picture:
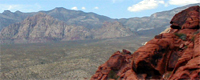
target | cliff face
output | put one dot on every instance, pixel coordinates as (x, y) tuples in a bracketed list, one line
[(173, 55), (42, 28)]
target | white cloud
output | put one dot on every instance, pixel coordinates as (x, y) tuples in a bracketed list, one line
[(74, 8), (145, 5), (166, 5), (20, 7), (83, 8), (183, 2), (96, 7)]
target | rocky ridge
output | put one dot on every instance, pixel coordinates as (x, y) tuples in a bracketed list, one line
[(71, 17), (44, 28), (169, 56), (79, 18), (7, 17)]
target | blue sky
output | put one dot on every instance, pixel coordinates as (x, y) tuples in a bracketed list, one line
[(110, 8)]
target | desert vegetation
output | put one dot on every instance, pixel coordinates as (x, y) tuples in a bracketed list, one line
[(60, 60)]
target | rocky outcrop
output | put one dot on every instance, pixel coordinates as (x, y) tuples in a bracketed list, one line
[(170, 56)]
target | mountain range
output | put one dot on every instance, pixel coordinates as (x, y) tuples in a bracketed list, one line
[(61, 24)]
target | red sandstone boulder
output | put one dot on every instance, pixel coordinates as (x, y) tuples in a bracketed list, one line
[(188, 19), (173, 56)]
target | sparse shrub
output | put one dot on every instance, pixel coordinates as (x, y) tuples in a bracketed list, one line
[(41, 62), (113, 75), (181, 36)]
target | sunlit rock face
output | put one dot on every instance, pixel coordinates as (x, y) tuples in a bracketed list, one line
[(170, 56), (42, 28)]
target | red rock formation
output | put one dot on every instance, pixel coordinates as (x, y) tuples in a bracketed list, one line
[(173, 56)]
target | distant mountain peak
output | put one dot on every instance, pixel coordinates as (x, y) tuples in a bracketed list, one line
[(58, 9), (6, 12), (18, 11)]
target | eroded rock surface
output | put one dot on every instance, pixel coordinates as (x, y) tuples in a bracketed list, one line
[(170, 56)]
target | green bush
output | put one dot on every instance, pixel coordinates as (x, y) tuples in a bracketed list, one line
[(181, 36)]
